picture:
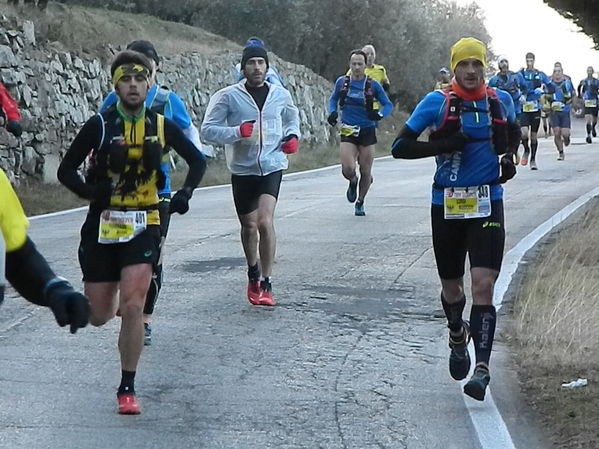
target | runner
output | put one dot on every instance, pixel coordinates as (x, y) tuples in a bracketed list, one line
[(534, 80), (444, 79), (512, 83), (355, 95), (562, 92), (545, 111), (272, 75), (28, 271), (167, 103), (374, 71), (10, 116), (261, 124), (467, 205), (588, 90), (121, 235)]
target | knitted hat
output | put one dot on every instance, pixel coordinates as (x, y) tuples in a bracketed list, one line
[(468, 48), (253, 51)]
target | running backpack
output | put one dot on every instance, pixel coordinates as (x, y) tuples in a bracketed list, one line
[(368, 92), (160, 100), (503, 134)]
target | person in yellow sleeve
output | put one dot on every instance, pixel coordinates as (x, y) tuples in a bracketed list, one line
[(120, 239), (28, 271)]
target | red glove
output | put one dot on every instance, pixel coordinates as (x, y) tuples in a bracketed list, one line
[(246, 128), (290, 144)]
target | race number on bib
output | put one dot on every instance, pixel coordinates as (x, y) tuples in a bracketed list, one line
[(590, 103), (349, 130), (557, 106), (467, 202), (530, 106), (120, 227)]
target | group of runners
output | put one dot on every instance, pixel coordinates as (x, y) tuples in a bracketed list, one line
[(124, 153)]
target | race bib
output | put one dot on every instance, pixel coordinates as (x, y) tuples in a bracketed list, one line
[(590, 103), (120, 227), (349, 130), (467, 202), (557, 106), (530, 106)]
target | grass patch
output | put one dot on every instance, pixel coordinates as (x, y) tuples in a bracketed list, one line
[(556, 329)]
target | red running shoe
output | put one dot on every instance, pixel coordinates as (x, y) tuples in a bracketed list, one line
[(265, 298), (128, 404), (253, 291)]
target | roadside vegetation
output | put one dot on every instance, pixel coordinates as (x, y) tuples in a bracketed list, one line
[(556, 329)]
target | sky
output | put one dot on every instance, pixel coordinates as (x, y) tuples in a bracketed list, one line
[(519, 26)]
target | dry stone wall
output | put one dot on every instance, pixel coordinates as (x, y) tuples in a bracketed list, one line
[(58, 91)]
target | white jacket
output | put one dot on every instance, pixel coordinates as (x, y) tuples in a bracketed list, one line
[(261, 153)]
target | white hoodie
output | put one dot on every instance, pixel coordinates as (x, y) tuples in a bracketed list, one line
[(261, 153)]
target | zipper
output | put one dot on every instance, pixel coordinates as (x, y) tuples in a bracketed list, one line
[(260, 123)]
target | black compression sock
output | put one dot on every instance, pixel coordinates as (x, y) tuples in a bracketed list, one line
[(589, 128), (127, 382), (533, 149), (525, 145), (254, 272), (453, 312), (482, 329)]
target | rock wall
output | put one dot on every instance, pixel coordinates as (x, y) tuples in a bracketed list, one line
[(58, 91)]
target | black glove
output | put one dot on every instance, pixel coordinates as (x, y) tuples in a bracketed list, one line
[(374, 115), (14, 127), (180, 201), (69, 306), (508, 168), (332, 118), (406, 146), (101, 193)]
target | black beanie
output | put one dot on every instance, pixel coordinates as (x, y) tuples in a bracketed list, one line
[(253, 51)]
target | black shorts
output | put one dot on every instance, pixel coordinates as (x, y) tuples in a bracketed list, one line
[(247, 190), (366, 137), (103, 262), (532, 119), (482, 238), (591, 111)]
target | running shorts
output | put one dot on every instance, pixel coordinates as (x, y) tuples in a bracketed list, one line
[(532, 119), (560, 119), (366, 137), (482, 238), (247, 190), (591, 111)]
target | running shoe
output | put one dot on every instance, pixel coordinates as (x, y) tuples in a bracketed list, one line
[(352, 190), (265, 297), (128, 404), (560, 157), (533, 165), (594, 132), (359, 209), (253, 290), (477, 385), (459, 359), (524, 159), (589, 140), (147, 335)]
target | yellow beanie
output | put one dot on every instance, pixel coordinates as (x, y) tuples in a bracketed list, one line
[(468, 48)]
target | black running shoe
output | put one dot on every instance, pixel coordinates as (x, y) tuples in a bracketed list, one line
[(477, 385), (589, 140), (352, 190), (459, 359)]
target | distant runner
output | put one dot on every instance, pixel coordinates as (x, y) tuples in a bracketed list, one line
[(588, 90), (562, 92)]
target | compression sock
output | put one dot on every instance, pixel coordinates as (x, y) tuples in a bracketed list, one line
[(254, 272), (525, 145), (589, 129), (533, 149), (453, 312), (127, 382), (482, 329)]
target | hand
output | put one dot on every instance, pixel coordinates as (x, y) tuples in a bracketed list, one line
[(522, 99), (180, 201), (374, 115), (102, 192), (247, 128), (69, 306), (332, 118), (14, 127), (508, 168), (290, 144), (540, 91)]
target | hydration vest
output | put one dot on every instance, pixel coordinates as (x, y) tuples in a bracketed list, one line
[(368, 92), (535, 79), (452, 122), (160, 100)]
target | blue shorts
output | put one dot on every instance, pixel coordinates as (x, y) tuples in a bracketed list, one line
[(560, 119)]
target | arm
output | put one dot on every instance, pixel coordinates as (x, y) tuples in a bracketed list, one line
[(214, 127), (383, 99), (9, 105), (196, 161), (386, 83), (334, 98), (290, 118)]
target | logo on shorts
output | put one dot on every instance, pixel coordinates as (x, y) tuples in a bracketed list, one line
[(491, 224), (148, 253)]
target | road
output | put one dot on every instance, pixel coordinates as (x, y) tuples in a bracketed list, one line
[(354, 356)]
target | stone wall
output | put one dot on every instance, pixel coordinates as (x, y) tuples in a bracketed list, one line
[(58, 91)]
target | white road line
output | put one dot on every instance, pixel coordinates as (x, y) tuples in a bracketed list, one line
[(490, 427)]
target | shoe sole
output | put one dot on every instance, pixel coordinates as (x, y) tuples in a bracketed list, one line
[(475, 390)]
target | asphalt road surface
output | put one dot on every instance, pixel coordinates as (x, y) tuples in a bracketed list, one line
[(354, 356)]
